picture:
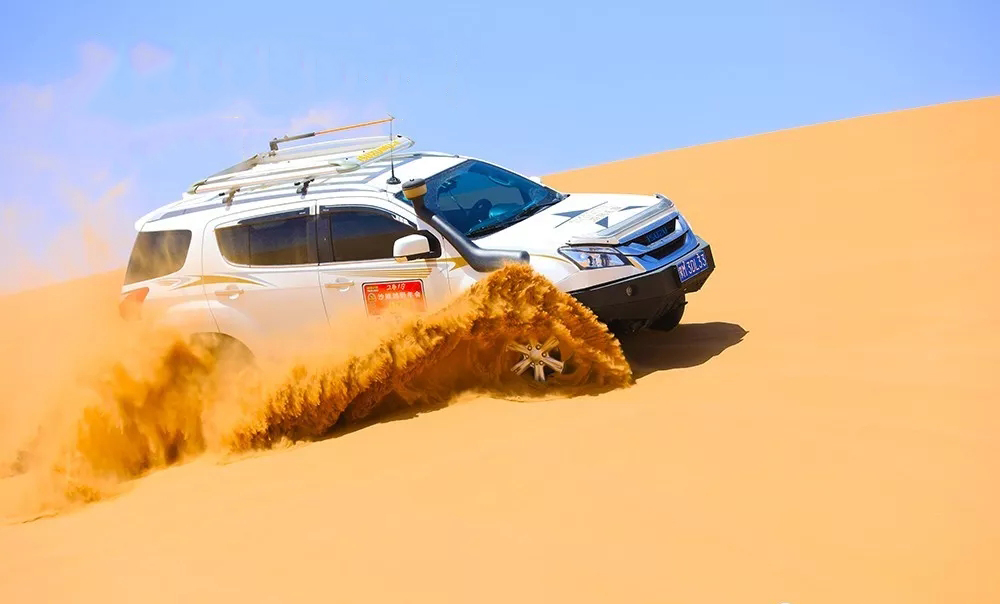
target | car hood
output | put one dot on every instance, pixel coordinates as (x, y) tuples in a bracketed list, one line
[(576, 217)]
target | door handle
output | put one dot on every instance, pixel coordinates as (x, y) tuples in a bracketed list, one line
[(232, 292), (340, 283)]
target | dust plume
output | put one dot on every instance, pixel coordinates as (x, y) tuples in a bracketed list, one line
[(154, 398), (454, 350)]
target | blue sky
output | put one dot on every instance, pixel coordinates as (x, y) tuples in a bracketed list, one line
[(109, 109)]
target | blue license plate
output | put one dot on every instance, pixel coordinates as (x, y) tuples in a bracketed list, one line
[(692, 266)]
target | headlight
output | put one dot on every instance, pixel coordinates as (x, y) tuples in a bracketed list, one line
[(593, 257)]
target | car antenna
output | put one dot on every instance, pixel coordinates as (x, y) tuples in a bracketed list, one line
[(392, 166)]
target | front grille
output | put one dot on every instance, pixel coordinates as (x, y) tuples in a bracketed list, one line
[(662, 252), (656, 234)]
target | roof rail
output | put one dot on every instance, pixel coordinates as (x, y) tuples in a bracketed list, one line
[(302, 187), (358, 152), (282, 177)]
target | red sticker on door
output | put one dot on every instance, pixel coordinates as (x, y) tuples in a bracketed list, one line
[(394, 296)]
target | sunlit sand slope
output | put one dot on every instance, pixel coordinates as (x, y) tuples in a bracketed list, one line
[(822, 427)]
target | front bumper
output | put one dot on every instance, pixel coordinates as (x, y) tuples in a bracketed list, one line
[(645, 296)]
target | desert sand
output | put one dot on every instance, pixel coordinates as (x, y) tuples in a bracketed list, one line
[(821, 427)]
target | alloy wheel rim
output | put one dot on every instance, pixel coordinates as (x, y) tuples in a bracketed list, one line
[(544, 359)]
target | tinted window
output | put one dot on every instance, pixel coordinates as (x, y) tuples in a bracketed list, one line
[(280, 242), (157, 253), (475, 196), (268, 241), (464, 190), (234, 243), (365, 234)]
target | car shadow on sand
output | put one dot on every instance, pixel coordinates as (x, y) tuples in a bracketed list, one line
[(687, 345)]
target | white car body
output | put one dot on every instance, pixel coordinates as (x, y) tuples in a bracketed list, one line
[(197, 289)]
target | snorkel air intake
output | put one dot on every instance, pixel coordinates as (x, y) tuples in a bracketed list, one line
[(479, 259)]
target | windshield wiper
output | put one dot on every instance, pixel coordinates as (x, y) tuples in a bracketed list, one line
[(488, 229), (530, 209), (526, 211)]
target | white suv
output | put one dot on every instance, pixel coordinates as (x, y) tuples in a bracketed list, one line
[(299, 235)]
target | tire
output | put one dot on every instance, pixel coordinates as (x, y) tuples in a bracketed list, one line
[(671, 318)]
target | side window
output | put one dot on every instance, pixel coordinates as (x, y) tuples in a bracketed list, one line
[(278, 240), (157, 253), (361, 234), (234, 243)]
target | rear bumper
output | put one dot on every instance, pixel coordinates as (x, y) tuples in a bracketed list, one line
[(645, 296)]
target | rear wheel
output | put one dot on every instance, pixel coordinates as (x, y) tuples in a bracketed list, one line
[(227, 351)]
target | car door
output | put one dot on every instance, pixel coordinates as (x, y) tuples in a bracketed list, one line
[(261, 277), (358, 273)]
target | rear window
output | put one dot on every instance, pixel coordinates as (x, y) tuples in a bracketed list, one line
[(157, 253)]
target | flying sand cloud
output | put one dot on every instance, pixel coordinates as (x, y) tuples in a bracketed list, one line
[(58, 148)]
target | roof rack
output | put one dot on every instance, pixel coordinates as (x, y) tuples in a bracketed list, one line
[(275, 141), (302, 186), (353, 154)]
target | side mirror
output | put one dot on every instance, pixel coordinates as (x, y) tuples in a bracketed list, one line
[(406, 248), (535, 179)]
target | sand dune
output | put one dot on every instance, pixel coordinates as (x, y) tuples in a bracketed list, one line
[(820, 429)]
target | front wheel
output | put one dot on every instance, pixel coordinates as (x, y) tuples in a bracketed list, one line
[(542, 359), (671, 318)]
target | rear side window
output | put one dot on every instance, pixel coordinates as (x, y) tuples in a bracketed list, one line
[(156, 254), (234, 243), (270, 241), (359, 234)]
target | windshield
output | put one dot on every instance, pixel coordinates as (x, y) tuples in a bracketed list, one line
[(478, 198)]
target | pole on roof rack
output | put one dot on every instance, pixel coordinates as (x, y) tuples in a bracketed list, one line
[(392, 166), (276, 141)]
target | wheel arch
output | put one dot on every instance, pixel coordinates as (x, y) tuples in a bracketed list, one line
[(221, 343)]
